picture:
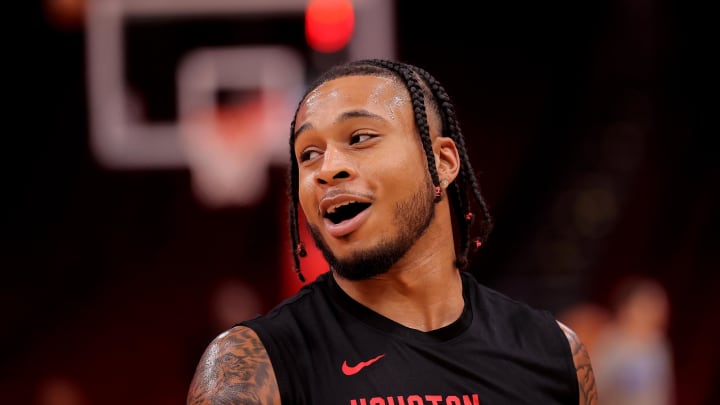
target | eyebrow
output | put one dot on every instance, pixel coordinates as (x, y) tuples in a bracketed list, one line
[(347, 115)]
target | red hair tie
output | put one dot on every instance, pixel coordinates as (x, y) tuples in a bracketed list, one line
[(300, 250)]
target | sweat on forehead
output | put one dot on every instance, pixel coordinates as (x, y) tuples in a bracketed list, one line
[(376, 91), (373, 88), (343, 98)]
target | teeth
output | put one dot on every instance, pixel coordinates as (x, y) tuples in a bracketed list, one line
[(334, 208)]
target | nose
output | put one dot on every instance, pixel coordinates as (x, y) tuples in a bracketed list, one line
[(336, 167)]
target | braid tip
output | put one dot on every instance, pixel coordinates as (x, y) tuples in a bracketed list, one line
[(299, 274)]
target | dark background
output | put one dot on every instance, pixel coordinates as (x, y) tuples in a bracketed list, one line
[(589, 125)]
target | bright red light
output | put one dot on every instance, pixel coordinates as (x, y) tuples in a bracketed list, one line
[(329, 24)]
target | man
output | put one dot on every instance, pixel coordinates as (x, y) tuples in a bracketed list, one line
[(633, 354), (380, 171)]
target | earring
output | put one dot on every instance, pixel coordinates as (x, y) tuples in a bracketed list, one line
[(444, 183)]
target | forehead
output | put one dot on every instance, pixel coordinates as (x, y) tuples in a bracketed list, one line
[(378, 94)]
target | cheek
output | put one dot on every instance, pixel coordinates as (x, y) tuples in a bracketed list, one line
[(405, 172)]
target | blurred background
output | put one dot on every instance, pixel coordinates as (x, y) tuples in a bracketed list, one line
[(146, 149)]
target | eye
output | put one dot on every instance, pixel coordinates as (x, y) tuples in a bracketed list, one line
[(358, 138), (308, 154)]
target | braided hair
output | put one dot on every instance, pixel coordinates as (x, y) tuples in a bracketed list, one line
[(425, 91)]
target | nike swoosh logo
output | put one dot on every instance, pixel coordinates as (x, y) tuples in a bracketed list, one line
[(352, 370)]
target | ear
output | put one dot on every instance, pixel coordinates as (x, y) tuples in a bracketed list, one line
[(447, 159)]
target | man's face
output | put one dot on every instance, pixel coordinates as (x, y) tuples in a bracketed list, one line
[(362, 174)]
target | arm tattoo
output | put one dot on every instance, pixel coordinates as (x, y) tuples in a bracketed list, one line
[(583, 368), (234, 370)]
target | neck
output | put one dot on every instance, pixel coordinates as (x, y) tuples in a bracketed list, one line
[(423, 290)]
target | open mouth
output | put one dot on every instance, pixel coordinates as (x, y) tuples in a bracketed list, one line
[(345, 211)]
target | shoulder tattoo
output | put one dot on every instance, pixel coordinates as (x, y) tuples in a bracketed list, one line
[(234, 370), (583, 367)]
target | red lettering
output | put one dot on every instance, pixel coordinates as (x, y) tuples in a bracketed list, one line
[(475, 399), (415, 400), (435, 399), (467, 399)]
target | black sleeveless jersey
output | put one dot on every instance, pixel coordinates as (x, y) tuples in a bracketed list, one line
[(327, 348)]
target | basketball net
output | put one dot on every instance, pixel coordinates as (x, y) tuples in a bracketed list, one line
[(230, 147)]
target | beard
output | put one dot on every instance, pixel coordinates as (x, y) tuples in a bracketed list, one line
[(412, 218)]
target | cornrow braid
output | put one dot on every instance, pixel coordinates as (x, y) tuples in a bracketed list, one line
[(466, 177), (424, 90), (417, 97), (297, 247)]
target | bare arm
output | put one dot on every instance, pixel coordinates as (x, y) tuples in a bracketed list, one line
[(583, 367), (234, 370)]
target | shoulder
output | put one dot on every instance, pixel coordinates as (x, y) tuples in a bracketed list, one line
[(235, 369), (583, 367), (500, 308)]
